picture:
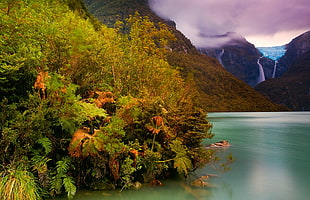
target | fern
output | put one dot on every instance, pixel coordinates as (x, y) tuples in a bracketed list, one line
[(181, 161), (69, 186), (56, 185), (62, 179), (90, 110), (62, 166), (182, 164), (40, 163), (46, 143), (89, 148)]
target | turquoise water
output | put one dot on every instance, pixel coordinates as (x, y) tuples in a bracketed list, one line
[(272, 155)]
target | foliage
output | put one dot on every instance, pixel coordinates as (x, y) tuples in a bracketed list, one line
[(181, 161), (61, 178), (127, 170), (16, 184), (82, 103)]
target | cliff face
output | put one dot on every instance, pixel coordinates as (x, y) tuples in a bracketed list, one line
[(295, 49), (240, 58), (292, 89)]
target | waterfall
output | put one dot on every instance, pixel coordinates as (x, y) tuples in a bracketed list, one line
[(261, 76), (274, 69), (219, 57)]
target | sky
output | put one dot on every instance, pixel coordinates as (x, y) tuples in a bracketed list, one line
[(263, 23)]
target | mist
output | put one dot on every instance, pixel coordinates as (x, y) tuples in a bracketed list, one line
[(262, 22)]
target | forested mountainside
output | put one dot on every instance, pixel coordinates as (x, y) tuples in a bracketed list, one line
[(215, 89)]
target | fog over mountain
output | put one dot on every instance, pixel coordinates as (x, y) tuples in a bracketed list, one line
[(261, 22)]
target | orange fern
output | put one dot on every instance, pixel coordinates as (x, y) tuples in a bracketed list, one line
[(75, 146)]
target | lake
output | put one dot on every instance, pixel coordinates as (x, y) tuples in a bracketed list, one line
[(272, 155)]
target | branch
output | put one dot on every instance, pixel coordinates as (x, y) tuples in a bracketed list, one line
[(162, 161)]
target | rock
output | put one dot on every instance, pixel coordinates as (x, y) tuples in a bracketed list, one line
[(201, 183), (137, 185), (156, 183), (206, 177), (223, 143)]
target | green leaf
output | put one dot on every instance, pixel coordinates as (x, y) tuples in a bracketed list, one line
[(183, 164), (90, 110), (181, 161), (70, 187), (46, 143)]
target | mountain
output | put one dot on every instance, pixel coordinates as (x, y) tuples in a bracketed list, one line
[(292, 89), (213, 87), (108, 12), (296, 48), (241, 58)]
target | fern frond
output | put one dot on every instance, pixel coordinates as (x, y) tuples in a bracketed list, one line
[(183, 164), (56, 185), (46, 143), (62, 179), (62, 166), (40, 163), (90, 110), (70, 187), (89, 148), (181, 161)]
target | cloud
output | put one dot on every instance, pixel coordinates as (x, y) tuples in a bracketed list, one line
[(258, 20)]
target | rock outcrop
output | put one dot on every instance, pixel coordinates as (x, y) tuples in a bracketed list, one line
[(223, 143), (202, 181), (295, 49)]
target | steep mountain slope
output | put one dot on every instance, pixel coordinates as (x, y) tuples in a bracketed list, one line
[(292, 89), (240, 58), (295, 49), (213, 87)]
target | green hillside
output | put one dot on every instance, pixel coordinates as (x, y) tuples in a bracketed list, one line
[(212, 86)]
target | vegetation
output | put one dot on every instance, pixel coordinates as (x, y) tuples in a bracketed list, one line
[(84, 105), (211, 86)]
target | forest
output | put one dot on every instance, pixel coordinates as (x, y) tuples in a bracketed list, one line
[(88, 106)]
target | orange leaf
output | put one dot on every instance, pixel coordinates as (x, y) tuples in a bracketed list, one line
[(158, 120)]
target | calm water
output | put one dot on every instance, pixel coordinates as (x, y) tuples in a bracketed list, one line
[(272, 155)]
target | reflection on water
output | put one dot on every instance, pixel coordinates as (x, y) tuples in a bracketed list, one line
[(272, 157)]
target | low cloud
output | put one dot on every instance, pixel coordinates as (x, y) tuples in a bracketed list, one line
[(252, 19)]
